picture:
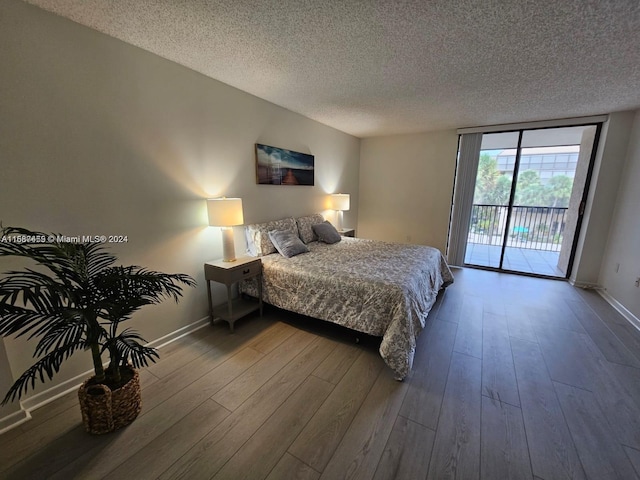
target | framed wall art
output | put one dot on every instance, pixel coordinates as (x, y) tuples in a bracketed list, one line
[(278, 166)]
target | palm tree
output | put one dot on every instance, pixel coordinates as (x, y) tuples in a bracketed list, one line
[(75, 300)]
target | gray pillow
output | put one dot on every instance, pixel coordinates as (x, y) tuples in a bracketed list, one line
[(287, 243), (326, 232), (305, 227)]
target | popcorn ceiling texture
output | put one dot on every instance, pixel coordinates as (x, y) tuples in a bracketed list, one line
[(373, 68)]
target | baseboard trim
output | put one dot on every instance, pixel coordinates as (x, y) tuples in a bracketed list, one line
[(181, 332), (13, 420), (621, 309), (585, 285), (49, 395)]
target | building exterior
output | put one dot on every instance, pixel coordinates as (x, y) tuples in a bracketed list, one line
[(547, 161)]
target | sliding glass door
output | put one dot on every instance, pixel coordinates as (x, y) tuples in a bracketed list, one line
[(490, 202), (527, 199)]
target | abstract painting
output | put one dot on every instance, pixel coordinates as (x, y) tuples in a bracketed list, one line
[(277, 166)]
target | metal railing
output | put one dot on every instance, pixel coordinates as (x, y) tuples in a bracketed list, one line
[(536, 228)]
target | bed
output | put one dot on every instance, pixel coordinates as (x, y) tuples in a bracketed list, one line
[(378, 288)]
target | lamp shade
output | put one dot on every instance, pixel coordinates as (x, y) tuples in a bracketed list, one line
[(340, 201), (225, 212)]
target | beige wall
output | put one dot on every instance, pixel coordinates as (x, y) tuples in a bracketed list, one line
[(9, 413), (623, 246), (406, 183), (607, 174), (100, 137)]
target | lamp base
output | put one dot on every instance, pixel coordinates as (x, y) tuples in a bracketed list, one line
[(339, 220), (228, 248)]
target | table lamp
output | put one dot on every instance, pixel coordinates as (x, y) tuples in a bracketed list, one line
[(226, 213), (340, 202)]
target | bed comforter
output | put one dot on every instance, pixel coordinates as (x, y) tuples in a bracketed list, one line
[(379, 288)]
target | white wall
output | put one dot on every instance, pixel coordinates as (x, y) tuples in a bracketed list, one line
[(603, 190), (623, 246), (100, 137), (406, 182)]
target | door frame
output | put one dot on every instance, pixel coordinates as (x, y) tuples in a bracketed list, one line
[(521, 128)]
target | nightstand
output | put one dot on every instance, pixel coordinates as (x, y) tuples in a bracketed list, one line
[(229, 273), (347, 232)]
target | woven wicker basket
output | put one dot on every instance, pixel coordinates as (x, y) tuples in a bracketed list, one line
[(109, 410)]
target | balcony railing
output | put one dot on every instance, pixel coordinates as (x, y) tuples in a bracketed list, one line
[(537, 228)]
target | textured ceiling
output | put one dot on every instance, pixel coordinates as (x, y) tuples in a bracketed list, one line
[(383, 67)]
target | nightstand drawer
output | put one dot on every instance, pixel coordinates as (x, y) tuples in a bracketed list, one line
[(244, 271), (229, 273)]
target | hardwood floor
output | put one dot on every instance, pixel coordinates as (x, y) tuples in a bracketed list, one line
[(514, 377)]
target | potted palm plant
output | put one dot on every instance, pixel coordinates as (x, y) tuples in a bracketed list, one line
[(75, 298)]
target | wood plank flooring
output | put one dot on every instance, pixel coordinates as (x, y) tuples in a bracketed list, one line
[(513, 378)]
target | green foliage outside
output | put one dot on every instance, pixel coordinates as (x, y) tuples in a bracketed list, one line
[(493, 188)]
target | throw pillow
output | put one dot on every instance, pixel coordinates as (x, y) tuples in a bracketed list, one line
[(326, 232), (287, 243)]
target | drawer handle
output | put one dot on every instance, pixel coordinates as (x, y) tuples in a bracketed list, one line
[(244, 272)]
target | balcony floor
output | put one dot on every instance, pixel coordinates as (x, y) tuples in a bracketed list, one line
[(526, 260)]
